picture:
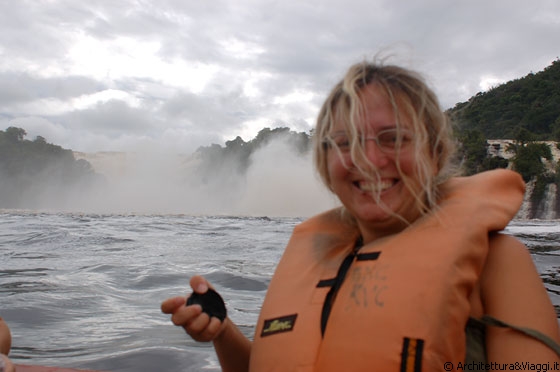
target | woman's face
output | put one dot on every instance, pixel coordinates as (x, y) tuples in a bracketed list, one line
[(350, 185)]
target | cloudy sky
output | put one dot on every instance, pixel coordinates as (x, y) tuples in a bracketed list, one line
[(124, 75)]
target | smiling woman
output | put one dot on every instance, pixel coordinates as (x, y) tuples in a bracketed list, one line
[(370, 179), (410, 153), (412, 271)]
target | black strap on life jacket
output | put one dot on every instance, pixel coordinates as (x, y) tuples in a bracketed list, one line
[(411, 356), (336, 282)]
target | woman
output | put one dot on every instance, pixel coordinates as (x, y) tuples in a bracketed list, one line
[(410, 273)]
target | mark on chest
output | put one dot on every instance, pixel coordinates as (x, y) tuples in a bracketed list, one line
[(368, 285)]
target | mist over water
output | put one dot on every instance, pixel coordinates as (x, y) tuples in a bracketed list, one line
[(278, 182)]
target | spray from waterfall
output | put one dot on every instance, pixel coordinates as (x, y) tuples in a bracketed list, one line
[(277, 182)]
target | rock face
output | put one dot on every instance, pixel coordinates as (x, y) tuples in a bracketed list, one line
[(498, 147), (548, 208)]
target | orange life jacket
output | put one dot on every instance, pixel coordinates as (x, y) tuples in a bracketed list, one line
[(397, 304)]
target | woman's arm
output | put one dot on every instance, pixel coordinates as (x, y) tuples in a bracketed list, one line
[(232, 347), (512, 291)]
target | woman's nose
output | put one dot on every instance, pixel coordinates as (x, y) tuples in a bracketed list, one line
[(374, 153)]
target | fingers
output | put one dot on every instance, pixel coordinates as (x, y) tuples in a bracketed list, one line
[(186, 315), (199, 325), (171, 305), (204, 328), (6, 364), (199, 284)]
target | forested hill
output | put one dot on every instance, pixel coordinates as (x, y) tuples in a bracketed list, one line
[(37, 174), (531, 103), (236, 155)]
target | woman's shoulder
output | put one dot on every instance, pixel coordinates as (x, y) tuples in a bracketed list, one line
[(506, 252), (509, 274), (512, 291)]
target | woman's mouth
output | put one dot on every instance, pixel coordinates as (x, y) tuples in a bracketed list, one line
[(375, 187)]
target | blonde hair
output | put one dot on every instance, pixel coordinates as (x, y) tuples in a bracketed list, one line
[(412, 101)]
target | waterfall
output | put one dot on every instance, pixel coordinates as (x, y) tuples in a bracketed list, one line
[(549, 210), (547, 207), (524, 212)]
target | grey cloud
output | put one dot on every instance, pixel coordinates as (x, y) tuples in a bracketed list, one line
[(22, 87), (214, 113), (114, 117), (33, 29), (301, 46)]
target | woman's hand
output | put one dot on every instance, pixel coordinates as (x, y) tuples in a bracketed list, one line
[(5, 364), (194, 321), (5, 345), (232, 347)]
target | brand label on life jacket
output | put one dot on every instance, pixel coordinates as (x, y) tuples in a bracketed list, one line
[(278, 325)]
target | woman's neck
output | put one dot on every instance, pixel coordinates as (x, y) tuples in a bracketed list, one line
[(371, 232)]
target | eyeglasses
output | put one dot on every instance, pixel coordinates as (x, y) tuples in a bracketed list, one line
[(389, 141)]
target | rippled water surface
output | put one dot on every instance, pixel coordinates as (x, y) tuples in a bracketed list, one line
[(84, 291)]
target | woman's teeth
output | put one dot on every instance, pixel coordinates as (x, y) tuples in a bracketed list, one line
[(375, 187)]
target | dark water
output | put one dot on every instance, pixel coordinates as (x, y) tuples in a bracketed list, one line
[(84, 291)]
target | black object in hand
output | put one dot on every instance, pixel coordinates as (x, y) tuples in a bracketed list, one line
[(211, 302)]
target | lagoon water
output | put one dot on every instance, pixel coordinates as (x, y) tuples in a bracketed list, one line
[(84, 290)]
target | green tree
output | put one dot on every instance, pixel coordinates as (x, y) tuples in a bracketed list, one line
[(528, 159), (473, 150), (556, 130), (36, 171), (474, 153), (530, 102), (217, 161), (523, 136), (14, 134), (40, 139)]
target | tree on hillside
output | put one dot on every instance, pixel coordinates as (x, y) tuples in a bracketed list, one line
[(556, 130), (530, 103), (217, 162), (523, 136), (40, 139), (528, 159), (14, 134), (36, 170), (474, 153), (473, 150)]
